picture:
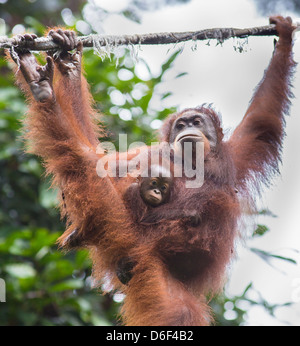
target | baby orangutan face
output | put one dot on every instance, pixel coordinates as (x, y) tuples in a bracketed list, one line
[(155, 190)]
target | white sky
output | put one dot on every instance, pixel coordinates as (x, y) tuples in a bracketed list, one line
[(227, 78)]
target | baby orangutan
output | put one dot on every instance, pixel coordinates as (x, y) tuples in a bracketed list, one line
[(155, 190)]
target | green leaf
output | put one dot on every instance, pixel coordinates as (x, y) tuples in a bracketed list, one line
[(81, 258), (165, 95), (181, 75), (72, 284), (266, 212), (58, 270), (266, 256), (35, 24), (260, 230), (247, 289), (167, 65), (20, 271)]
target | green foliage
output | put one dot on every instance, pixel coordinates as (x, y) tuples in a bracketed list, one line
[(231, 311), (45, 286)]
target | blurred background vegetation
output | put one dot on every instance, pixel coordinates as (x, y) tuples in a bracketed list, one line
[(46, 286)]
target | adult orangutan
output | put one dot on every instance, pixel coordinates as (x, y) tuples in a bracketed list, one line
[(168, 256)]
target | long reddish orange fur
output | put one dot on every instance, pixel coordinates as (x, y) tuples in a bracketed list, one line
[(177, 264)]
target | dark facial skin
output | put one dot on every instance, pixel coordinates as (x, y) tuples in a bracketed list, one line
[(155, 190), (191, 126)]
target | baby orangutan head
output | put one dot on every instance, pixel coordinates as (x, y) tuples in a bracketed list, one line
[(155, 189)]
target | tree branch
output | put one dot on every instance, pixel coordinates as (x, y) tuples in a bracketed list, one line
[(220, 34)]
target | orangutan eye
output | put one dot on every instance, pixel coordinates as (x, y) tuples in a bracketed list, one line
[(154, 183), (180, 125)]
